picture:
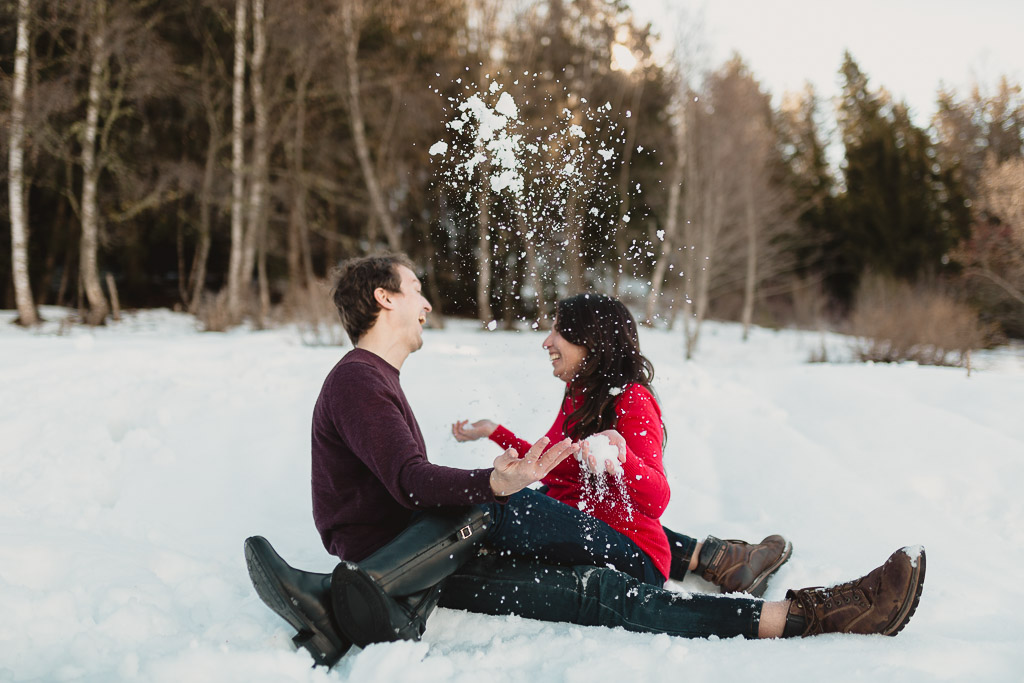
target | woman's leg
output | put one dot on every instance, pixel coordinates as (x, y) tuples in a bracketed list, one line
[(685, 551), (881, 602), (734, 566), (533, 525)]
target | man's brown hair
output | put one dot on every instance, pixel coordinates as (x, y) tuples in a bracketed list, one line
[(355, 282)]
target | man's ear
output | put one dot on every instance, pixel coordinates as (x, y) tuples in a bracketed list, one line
[(383, 298)]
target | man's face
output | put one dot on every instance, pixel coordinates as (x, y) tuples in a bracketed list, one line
[(411, 308)]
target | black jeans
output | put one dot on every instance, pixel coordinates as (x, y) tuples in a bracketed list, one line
[(593, 596), (535, 526)]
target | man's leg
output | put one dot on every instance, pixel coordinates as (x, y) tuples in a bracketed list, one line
[(388, 595), (301, 598)]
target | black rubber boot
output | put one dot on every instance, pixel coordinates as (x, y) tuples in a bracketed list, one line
[(389, 595), (303, 599)]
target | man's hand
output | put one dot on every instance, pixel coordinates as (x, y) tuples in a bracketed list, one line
[(512, 473), (481, 429)]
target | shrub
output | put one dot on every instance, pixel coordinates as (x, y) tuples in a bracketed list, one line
[(313, 312), (213, 313), (895, 321)]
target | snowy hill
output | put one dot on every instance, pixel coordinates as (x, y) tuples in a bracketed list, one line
[(135, 459)]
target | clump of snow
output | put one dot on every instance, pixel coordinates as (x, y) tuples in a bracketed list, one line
[(604, 452), (438, 148), (502, 164), (914, 553)]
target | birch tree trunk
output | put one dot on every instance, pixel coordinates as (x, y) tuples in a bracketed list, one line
[(89, 271), (237, 163), (378, 203), (255, 234), (16, 169)]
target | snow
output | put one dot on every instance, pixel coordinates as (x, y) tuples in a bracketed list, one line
[(135, 459), (604, 452)]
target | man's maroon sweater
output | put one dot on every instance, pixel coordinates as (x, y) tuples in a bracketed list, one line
[(370, 468)]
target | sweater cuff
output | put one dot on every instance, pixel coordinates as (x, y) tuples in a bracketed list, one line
[(481, 491), (503, 437)]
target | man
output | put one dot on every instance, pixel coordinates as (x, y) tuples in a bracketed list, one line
[(408, 531)]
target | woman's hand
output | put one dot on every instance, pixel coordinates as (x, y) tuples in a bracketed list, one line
[(610, 466), (481, 429)]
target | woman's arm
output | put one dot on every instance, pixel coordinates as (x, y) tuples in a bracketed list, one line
[(506, 439), (639, 423)]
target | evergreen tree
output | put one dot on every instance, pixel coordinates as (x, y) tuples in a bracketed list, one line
[(896, 214)]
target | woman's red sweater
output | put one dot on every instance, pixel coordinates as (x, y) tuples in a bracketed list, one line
[(635, 512)]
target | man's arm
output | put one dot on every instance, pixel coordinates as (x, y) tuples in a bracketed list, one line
[(376, 429)]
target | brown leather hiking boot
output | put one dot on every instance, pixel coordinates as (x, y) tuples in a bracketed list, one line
[(741, 567), (881, 602)]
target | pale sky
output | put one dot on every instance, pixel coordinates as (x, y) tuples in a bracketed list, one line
[(907, 46)]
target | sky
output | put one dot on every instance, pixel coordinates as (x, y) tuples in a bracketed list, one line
[(908, 47)]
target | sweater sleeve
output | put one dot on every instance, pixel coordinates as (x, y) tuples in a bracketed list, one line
[(381, 437), (506, 439), (639, 422)]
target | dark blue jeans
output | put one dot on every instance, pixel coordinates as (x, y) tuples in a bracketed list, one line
[(593, 596), (532, 525)]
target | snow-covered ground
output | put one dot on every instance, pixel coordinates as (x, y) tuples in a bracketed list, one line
[(136, 458)]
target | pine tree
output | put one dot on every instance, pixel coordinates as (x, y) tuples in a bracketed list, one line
[(894, 214)]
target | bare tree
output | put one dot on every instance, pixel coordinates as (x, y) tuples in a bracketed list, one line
[(89, 271), (16, 184), (237, 277), (995, 252), (351, 15), (209, 75), (671, 235), (255, 236)]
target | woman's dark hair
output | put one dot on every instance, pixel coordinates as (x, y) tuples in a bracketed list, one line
[(605, 328), (356, 280)]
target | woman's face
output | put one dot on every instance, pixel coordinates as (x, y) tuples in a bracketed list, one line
[(566, 357)]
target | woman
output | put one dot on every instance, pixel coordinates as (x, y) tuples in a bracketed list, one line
[(594, 348)]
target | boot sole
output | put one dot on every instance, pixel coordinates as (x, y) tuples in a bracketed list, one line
[(361, 604), (913, 598), (760, 582), (325, 650)]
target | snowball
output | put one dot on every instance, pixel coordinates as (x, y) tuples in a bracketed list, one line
[(493, 325), (438, 148), (603, 451)]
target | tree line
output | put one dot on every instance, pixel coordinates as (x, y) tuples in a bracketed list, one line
[(226, 154)]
